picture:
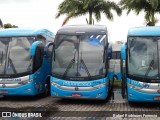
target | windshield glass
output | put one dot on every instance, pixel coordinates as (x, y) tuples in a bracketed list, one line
[(143, 57), (79, 56), (14, 55)]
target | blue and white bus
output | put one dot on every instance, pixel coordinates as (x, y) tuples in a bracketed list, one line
[(24, 61), (80, 63), (141, 76)]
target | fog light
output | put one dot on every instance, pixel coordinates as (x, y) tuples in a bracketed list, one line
[(99, 94), (55, 93), (28, 90)]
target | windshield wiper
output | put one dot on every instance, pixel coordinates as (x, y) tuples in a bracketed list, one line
[(2, 58), (148, 69), (70, 65), (10, 62), (13, 67), (85, 67)]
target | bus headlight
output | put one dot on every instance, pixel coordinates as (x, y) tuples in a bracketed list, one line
[(24, 82), (134, 87), (99, 94), (32, 79), (55, 93), (55, 84)]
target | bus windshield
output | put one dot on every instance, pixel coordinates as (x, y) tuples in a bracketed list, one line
[(14, 55), (143, 57), (79, 56)]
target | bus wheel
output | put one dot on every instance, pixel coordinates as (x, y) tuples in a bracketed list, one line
[(109, 90), (123, 88), (112, 86), (47, 89), (130, 103), (109, 86)]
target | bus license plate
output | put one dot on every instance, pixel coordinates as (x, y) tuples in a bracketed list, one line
[(76, 95), (3, 91), (157, 98)]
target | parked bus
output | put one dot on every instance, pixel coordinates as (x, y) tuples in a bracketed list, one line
[(24, 65), (80, 63), (141, 78), (115, 61)]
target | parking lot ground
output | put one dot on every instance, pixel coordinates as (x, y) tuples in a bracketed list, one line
[(115, 107)]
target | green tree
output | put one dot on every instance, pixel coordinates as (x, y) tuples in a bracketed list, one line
[(1, 24), (8, 25), (14, 26), (119, 42), (76, 8), (150, 7)]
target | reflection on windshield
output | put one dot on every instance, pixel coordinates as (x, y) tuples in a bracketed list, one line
[(3, 53), (142, 52), (79, 56), (14, 55)]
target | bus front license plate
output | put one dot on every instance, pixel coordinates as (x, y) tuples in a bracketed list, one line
[(3, 91), (157, 98), (76, 95)]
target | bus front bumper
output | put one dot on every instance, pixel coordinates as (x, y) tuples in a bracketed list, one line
[(28, 89), (138, 96), (90, 92)]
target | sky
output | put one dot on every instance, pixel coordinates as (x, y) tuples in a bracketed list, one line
[(41, 14)]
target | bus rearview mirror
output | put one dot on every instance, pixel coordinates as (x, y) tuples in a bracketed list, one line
[(33, 48)]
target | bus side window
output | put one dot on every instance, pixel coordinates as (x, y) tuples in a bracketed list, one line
[(38, 58)]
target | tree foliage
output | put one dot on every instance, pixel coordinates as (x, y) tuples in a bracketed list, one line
[(1, 24), (8, 25), (150, 7), (76, 8)]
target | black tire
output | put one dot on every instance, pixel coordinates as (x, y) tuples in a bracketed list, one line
[(131, 104), (47, 89), (112, 87), (123, 87), (109, 86), (109, 92)]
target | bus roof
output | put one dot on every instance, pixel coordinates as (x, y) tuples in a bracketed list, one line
[(83, 29), (24, 32), (144, 31)]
